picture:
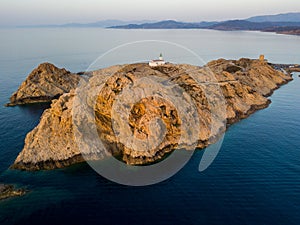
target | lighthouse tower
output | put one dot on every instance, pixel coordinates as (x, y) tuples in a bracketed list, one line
[(161, 57)]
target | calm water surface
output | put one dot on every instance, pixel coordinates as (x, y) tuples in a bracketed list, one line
[(255, 178)]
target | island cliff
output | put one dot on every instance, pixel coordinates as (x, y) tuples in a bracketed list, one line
[(245, 85)]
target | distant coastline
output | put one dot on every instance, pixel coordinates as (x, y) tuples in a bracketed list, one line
[(288, 23), (290, 28)]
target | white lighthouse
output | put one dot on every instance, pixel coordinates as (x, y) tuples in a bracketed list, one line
[(157, 62)]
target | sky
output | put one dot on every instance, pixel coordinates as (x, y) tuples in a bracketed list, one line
[(35, 12)]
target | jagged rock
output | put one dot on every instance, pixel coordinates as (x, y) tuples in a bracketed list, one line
[(43, 84), (242, 85)]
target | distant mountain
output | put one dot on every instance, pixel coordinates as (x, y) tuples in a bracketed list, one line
[(247, 25), (284, 27), (287, 17), (166, 24), (236, 25), (226, 25), (100, 24)]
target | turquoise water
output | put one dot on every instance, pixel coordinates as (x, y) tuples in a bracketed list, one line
[(254, 179)]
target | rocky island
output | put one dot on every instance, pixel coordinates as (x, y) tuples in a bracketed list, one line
[(245, 85), (43, 84)]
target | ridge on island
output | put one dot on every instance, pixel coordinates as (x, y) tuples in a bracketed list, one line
[(245, 84)]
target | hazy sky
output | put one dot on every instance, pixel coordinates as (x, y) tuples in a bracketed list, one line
[(29, 12)]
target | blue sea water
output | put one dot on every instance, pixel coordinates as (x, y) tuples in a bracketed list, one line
[(255, 178)]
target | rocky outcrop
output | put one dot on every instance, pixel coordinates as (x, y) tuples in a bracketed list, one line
[(222, 92), (256, 80), (8, 191), (43, 84)]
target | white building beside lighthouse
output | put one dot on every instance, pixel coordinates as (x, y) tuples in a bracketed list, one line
[(157, 62)]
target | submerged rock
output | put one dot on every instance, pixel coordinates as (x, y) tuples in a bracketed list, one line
[(8, 191), (242, 85), (43, 84)]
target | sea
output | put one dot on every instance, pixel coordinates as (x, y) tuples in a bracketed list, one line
[(254, 179)]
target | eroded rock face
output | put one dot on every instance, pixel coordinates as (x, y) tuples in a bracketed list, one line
[(43, 84), (222, 92)]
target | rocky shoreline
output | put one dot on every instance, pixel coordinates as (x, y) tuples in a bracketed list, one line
[(8, 191), (245, 85)]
